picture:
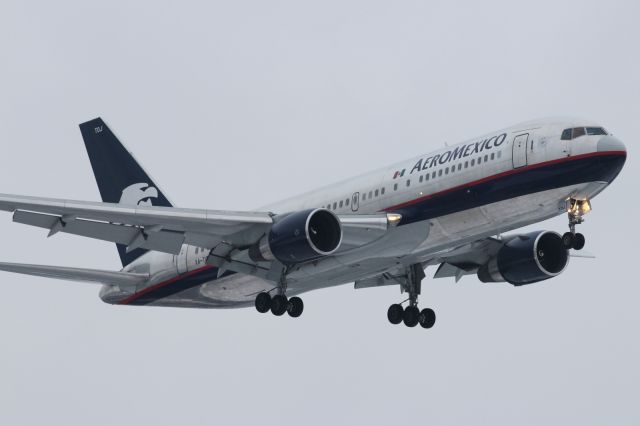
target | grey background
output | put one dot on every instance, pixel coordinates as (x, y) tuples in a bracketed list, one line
[(232, 105)]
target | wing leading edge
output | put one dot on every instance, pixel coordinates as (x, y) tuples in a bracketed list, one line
[(122, 279)]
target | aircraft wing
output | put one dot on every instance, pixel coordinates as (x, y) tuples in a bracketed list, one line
[(122, 279), (165, 229), (150, 227)]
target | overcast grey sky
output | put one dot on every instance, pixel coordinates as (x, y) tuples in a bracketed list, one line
[(232, 105)]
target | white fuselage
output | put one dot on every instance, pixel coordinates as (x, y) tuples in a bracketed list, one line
[(462, 193)]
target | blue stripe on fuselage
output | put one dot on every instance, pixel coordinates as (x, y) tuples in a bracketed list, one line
[(513, 183)]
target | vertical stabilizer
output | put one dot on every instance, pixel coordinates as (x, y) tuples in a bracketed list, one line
[(119, 176)]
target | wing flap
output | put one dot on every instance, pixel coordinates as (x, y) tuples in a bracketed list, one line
[(160, 240), (123, 279), (225, 223)]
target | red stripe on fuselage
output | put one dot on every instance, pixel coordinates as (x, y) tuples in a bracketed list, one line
[(507, 173), (149, 289)]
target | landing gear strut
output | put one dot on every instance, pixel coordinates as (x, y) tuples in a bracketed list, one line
[(279, 303), (411, 282), (576, 209)]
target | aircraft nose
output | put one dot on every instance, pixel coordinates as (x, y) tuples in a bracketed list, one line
[(611, 144)]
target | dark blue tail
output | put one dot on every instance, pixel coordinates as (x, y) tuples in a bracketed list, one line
[(119, 176)]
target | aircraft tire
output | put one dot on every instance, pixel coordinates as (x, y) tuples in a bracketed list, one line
[(567, 240), (427, 318), (578, 241), (395, 313), (411, 316), (295, 307), (263, 302), (279, 305)]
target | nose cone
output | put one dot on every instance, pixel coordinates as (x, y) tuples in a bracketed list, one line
[(612, 154), (611, 144)]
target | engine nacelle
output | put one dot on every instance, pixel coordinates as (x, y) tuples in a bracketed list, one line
[(300, 236), (527, 259)]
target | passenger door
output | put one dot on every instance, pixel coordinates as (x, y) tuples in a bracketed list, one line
[(180, 260), (520, 150), (355, 201)]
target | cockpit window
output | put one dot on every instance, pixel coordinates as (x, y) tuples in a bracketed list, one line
[(577, 132), (568, 134), (596, 131)]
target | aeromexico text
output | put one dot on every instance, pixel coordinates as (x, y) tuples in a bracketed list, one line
[(461, 151)]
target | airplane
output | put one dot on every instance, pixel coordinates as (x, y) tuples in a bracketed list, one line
[(450, 208)]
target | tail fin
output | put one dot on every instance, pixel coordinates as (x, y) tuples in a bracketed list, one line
[(119, 176)]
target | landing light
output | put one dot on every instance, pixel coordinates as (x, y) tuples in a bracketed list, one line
[(393, 218), (578, 207)]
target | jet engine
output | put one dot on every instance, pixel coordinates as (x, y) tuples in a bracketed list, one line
[(298, 237), (526, 259)]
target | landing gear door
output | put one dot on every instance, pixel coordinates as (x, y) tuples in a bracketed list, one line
[(520, 150)]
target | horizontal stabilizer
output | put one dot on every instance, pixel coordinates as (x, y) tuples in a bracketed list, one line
[(122, 279)]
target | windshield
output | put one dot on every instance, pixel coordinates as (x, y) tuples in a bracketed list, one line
[(568, 134)]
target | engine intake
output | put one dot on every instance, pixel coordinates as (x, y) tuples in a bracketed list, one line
[(526, 259), (299, 237)]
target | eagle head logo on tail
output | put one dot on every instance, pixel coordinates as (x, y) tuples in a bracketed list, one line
[(138, 194)]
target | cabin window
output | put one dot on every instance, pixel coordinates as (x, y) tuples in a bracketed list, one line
[(395, 186), (479, 160), (446, 171), (433, 175), (364, 196), (335, 205), (370, 194), (421, 178), (408, 182), (377, 192), (382, 191), (493, 155), (440, 172), (473, 162), (426, 177), (459, 166), (499, 154), (486, 158)]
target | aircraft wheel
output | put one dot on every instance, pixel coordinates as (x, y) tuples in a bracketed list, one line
[(295, 307), (279, 305), (395, 313), (427, 318), (263, 302), (578, 241), (567, 240), (411, 316)]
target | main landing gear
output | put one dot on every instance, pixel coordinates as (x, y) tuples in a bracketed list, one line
[(411, 315), (279, 304), (576, 209)]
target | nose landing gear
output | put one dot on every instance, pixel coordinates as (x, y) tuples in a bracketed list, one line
[(576, 209), (411, 315)]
